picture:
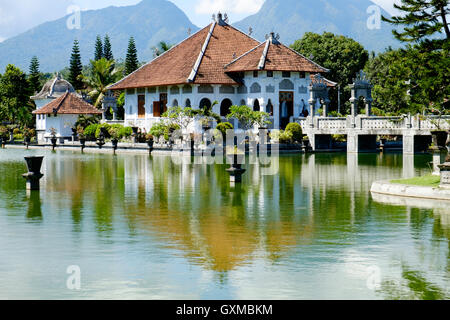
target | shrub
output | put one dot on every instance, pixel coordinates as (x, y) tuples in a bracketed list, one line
[(125, 132), (224, 126), (16, 131), (296, 130), (158, 130), (90, 131), (3, 132), (286, 137)]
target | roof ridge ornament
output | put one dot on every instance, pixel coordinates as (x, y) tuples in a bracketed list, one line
[(361, 78), (221, 19), (274, 38)]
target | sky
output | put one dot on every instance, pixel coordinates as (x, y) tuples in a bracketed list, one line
[(21, 15)]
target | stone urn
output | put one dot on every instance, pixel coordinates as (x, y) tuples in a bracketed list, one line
[(150, 144), (53, 140), (82, 143), (27, 141), (34, 174), (115, 144), (439, 138)]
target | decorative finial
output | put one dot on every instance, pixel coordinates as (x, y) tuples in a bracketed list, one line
[(189, 31), (250, 31)]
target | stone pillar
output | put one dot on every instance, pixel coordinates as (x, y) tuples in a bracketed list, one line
[(445, 175), (408, 144), (368, 107), (438, 159), (352, 142), (408, 166), (325, 106), (312, 107)]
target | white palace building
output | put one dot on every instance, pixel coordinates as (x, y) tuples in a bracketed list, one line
[(220, 63)]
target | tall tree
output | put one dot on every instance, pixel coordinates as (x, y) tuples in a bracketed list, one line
[(131, 61), (103, 74), (107, 49), (35, 75), (76, 67), (425, 23), (422, 19), (15, 106), (98, 48), (343, 56)]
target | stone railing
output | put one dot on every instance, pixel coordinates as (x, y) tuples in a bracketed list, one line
[(362, 122)]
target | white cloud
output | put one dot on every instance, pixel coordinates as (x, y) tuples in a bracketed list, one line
[(229, 6)]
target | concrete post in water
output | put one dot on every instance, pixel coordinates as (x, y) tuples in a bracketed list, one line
[(236, 170), (438, 158), (445, 175), (34, 172)]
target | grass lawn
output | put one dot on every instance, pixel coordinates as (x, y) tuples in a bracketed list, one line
[(425, 181)]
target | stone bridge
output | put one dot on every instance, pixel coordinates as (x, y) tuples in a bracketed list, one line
[(362, 131)]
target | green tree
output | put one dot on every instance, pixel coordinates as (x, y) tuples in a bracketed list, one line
[(35, 75), (422, 19), (76, 67), (15, 105), (131, 61), (103, 74), (161, 48), (343, 56), (427, 62), (98, 48), (107, 49)]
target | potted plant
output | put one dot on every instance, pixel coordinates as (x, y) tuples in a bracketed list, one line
[(28, 134), (150, 141), (53, 138), (115, 135)]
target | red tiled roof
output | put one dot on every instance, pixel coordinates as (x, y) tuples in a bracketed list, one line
[(204, 58), (68, 103), (278, 58), (175, 66)]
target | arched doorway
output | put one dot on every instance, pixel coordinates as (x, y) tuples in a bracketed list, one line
[(225, 107), (175, 103), (256, 106), (188, 103)]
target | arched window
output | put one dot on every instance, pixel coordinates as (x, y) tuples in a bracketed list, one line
[(175, 103), (205, 104), (256, 106), (243, 103), (286, 85), (225, 107), (269, 108), (255, 88), (188, 103)]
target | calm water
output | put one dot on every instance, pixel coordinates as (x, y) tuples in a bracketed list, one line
[(145, 228)]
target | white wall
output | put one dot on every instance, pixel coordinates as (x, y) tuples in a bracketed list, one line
[(131, 99)]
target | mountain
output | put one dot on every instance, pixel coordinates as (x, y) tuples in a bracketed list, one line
[(292, 18), (149, 22)]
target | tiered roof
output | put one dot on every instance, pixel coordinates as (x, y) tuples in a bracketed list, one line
[(213, 56)]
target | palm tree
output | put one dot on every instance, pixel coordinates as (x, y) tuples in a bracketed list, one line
[(103, 74), (161, 48)]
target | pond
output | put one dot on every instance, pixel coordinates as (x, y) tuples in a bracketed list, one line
[(141, 227)]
